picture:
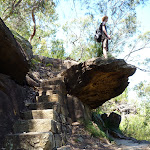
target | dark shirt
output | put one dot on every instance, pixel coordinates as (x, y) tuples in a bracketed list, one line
[(101, 28)]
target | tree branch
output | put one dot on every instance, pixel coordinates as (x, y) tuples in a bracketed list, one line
[(12, 9), (143, 69), (133, 51), (34, 27), (34, 21)]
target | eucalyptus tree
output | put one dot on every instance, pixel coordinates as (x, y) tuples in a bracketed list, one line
[(122, 26), (33, 19)]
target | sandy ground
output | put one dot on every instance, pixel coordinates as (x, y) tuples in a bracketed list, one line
[(82, 140)]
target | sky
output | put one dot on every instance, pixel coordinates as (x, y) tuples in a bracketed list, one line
[(67, 10), (143, 15)]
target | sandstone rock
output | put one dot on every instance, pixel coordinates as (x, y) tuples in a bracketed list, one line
[(57, 107), (13, 61), (55, 63), (48, 92), (31, 82), (25, 44), (59, 127), (112, 121), (98, 80), (64, 110), (12, 96), (69, 63), (59, 88), (64, 148), (57, 140), (35, 125), (50, 98), (41, 114), (30, 141), (40, 106), (76, 109)]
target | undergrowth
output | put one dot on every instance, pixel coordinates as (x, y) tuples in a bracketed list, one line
[(135, 126), (94, 130)]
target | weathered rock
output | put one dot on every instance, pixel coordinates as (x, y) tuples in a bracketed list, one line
[(35, 125), (13, 61), (25, 44), (98, 80), (77, 111), (30, 141), (40, 106), (64, 148), (113, 121), (55, 63), (12, 96), (41, 114), (50, 98), (58, 140)]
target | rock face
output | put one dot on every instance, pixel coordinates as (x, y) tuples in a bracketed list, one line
[(112, 121), (25, 44), (12, 98), (98, 80), (77, 111), (45, 123), (13, 61)]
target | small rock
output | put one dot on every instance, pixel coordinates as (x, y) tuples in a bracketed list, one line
[(80, 139), (75, 123)]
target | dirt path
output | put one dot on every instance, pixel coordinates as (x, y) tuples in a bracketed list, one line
[(125, 144), (82, 140)]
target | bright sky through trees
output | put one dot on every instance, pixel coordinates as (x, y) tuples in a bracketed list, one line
[(69, 9)]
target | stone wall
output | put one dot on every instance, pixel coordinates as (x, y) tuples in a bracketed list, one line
[(77, 110)]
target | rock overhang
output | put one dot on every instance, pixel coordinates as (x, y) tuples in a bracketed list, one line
[(97, 80)]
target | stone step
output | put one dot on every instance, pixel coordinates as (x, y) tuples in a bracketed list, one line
[(61, 109), (35, 125), (50, 87), (61, 88), (50, 98), (40, 114), (46, 114), (41, 105), (53, 81), (31, 141), (48, 92)]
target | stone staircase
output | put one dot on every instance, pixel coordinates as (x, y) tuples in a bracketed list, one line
[(45, 124)]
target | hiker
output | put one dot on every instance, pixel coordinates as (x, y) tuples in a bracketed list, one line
[(105, 36)]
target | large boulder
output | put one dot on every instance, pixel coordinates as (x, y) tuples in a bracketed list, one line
[(77, 111), (98, 80), (13, 60), (25, 44), (12, 97)]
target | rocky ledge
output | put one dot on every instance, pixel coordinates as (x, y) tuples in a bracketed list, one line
[(97, 80)]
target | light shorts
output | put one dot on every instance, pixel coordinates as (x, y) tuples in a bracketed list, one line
[(105, 44)]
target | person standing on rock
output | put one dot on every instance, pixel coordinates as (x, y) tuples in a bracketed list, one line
[(105, 36)]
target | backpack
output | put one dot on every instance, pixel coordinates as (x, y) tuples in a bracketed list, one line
[(98, 34)]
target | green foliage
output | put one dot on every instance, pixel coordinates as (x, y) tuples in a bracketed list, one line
[(35, 61), (55, 49), (111, 105), (135, 126), (48, 65), (122, 25), (91, 128), (80, 36), (18, 17), (143, 90)]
